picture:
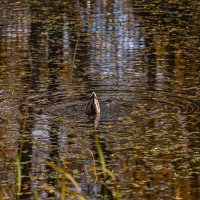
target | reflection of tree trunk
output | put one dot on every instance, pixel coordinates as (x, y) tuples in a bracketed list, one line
[(54, 125), (37, 43), (25, 148), (1, 47), (171, 55), (55, 41), (53, 154), (78, 34), (32, 71), (151, 65)]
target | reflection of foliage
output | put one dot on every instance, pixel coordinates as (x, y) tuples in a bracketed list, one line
[(168, 13)]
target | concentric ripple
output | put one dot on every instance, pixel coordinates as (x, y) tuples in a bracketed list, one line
[(123, 103), (177, 102)]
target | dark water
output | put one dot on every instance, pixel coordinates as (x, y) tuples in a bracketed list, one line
[(142, 58)]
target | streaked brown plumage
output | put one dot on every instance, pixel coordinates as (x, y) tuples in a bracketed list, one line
[(93, 107)]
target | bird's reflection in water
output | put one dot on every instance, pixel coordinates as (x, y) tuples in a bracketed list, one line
[(94, 120)]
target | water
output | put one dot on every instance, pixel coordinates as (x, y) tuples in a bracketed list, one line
[(142, 60)]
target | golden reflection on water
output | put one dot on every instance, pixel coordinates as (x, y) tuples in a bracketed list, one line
[(142, 60)]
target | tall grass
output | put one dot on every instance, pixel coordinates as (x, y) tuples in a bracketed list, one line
[(64, 178), (106, 172), (18, 181)]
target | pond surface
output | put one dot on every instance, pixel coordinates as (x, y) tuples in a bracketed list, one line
[(142, 58)]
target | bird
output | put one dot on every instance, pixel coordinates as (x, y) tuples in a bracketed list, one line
[(92, 107)]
